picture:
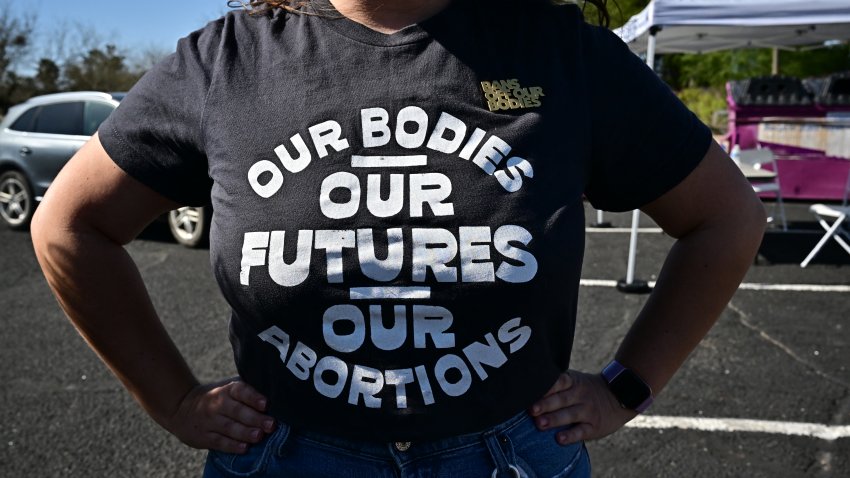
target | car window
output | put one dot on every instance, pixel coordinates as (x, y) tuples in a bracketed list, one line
[(60, 118), (25, 121), (94, 114)]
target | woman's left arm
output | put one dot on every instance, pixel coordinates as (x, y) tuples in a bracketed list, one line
[(718, 223)]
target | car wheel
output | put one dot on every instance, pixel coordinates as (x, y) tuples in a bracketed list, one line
[(16, 200), (190, 226)]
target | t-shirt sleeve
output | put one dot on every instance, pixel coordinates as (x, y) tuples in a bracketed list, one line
[(155, 135), (644, 141)]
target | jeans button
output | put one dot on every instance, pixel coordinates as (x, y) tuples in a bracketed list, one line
[(402, 445)]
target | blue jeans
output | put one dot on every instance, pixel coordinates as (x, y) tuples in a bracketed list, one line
[(514, 449)]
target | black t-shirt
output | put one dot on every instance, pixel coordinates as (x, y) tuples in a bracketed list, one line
[(398, 222)]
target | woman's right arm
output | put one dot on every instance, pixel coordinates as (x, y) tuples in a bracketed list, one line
[(90, 212)]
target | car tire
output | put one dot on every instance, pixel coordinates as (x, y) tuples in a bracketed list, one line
[(190, 226), (17, 202)]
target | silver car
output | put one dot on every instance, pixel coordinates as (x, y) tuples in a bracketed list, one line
[(39, 136)]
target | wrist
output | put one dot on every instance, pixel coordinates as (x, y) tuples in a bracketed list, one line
[(630, 390), (168, 410)]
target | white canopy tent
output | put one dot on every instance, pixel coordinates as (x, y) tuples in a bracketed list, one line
[(699, 26)]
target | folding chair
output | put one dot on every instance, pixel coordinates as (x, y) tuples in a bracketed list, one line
[(763, 181), (838, 230)]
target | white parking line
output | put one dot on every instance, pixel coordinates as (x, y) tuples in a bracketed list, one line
[(797, 287), (812, 430), (599, 283), (744, 286)]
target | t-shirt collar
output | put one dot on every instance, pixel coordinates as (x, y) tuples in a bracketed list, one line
[(417, 32)]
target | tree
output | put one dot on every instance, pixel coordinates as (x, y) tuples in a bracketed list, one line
[(622, 10), (822, 61), (15, 42), (713, 69), (143, 59), (619, 11), (47, 77), (100, 69)]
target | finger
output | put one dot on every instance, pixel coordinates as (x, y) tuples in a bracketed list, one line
[(576, 433), (226, 444), (560, 417), (237, 431), (246, 394), (562, 399), (246, 415), (552, 399), (552, 403)]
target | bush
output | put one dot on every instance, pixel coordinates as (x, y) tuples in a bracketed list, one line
[(704, 102)]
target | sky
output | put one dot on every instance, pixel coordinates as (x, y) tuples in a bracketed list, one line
[(131, 25)]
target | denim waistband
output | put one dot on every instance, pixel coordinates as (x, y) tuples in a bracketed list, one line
[(411, 451), (512, 449)]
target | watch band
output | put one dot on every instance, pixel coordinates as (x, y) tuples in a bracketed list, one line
[(614, 370)]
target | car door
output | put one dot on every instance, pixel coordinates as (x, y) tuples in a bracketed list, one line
[(15, 140), (56, 135)]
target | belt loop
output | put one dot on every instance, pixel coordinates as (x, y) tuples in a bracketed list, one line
[(502, 452)]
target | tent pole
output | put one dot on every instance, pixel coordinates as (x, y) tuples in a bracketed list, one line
[(774, 67), (650, 47), (600, 220), (630, 284)]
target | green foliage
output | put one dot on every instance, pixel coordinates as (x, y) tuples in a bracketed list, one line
[(714, 69), (705, 102), (47, 77), (15, 40), (820, 62), (100, 70), (622, 10), (619, 11)]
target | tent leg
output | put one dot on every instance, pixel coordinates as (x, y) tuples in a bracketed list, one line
[(774, 67), (600, 220), (630, 285)]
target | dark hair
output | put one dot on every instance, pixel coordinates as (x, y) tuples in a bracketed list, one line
[(602, 16), (601, 7), (263, 5)]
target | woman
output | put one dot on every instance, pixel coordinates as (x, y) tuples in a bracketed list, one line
[(398, 230)]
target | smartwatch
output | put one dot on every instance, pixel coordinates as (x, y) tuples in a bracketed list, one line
[(631, 391)]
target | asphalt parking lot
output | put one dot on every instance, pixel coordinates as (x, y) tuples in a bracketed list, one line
[(767, 394)]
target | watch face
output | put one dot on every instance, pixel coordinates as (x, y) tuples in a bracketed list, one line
[(629, 389)]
